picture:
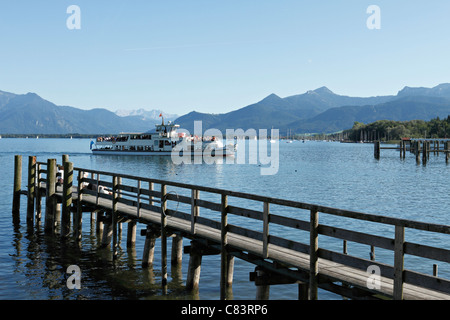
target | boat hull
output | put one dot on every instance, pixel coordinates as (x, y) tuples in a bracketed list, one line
[(225, 153)]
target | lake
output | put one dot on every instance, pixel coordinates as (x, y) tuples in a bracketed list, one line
[(339, 175)]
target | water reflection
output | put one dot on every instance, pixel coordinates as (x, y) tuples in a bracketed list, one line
[(43, 260)]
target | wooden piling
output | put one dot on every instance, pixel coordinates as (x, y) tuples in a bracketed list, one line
[(195, 262), (131, 234), (417, 151), (313, 254), (399, 262), (37, 191), (107, 231), (195, 212), (163, 238), (114, 215), (50, 201), (31, 189), (263, 290), (447, 151), (177, 250), (223, 251), (424, 152), (67, 199), (376, 151), (78, 215), (149, 247), (16, 188)]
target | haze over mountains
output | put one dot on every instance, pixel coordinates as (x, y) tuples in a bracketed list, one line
[(316, 111)]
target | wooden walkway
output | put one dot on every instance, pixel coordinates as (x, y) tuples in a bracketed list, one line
[(278, 259), (420, 148)]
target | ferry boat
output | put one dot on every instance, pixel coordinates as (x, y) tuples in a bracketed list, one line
[(165, 140)]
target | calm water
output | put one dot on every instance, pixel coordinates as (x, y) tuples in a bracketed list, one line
[(33, 266)]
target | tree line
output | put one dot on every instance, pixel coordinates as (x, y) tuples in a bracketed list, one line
[(386, 130)]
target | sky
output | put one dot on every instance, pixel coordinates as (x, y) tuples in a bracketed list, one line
[(217, 56)]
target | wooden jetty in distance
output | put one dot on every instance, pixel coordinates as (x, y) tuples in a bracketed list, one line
[(173, 210), (421, 148)]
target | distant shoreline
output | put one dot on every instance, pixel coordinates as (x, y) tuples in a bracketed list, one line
[(59, 136)]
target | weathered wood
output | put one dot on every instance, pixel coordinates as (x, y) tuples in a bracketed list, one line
[(131, 234), (195, 262), (107, 231), (195, 212), (399, 262), (17, 187), (31, 189), (37, 192), (376, 151), (78, 215), (315, 266), (266, 230), (149, 247), (313, 255), (224, 243), (67, 199), (447, 151), (114, 215), (163, 238), (177, 250), (417, 151), (50, 201), (262, 290)]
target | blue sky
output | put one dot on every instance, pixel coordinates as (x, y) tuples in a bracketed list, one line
[(218, 56)]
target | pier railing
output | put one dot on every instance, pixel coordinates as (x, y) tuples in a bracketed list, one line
[(175, 207)]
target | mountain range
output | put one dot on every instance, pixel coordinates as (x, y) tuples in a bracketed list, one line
[(322, 111), (315, 111)]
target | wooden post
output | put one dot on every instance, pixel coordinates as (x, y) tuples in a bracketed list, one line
[(376, 151), (114, 216), (262, 291), (17, 187), (223, 251), (131, 234), (303, 291), (266, 230), (195, 194), (107, 231), (313, 255), (417, 151), (195, 262), (163, 238), (401, 148), (424, 152), (99, 222), (31, 189), (447, 151), (37, 191), (149, 247), (67, 199), (177, 250), (372, 253), (50, 206), (78, 216), (399, 262)]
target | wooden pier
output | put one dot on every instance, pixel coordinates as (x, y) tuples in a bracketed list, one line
[(420, 148), (173, 210)]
